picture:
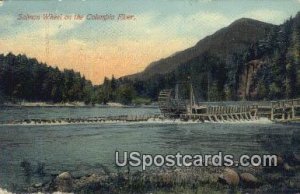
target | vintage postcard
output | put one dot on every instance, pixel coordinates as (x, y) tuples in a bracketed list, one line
[(149, 96)]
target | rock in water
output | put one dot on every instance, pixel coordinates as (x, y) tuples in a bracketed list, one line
[(64, 182), (249, 179), (279, 161), (37, 185), (288, 168), (65, 176), (230, 177)]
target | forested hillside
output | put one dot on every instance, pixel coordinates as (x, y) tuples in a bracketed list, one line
[(268, 69), (23, 78), (27, 79)]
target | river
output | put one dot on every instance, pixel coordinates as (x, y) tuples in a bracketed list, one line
[(84, 148)]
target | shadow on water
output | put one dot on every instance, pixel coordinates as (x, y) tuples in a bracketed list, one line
[(281, 139), (231, 138)]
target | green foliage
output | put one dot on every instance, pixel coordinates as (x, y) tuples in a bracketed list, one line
[(274, 91), (22, 78), (281, 71), (125, 94), (141, 101)]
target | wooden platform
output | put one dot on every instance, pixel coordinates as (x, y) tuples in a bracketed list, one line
[(283, 110)]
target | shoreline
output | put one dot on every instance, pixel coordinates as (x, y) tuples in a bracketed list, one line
[(75, 105), (203, 179)]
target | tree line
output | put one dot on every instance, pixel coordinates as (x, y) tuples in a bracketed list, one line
[(23, 78)]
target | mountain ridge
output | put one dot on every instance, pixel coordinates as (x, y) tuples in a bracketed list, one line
[(228, 39)]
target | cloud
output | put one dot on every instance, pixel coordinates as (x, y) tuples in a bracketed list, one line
[(6, 20), (207, 22), (12, 27), (51, 28), (266, 15), (167, 27)]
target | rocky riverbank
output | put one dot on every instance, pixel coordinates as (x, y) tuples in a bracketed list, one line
[(284, 178)]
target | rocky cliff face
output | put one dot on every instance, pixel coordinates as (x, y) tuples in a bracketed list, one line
[(246, 79)]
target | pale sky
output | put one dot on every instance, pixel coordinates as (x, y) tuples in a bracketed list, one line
[(100, 48)]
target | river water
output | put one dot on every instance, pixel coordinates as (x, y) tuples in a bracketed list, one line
[(84, 148)]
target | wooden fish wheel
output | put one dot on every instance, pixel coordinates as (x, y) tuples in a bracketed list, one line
[(170, 106)]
